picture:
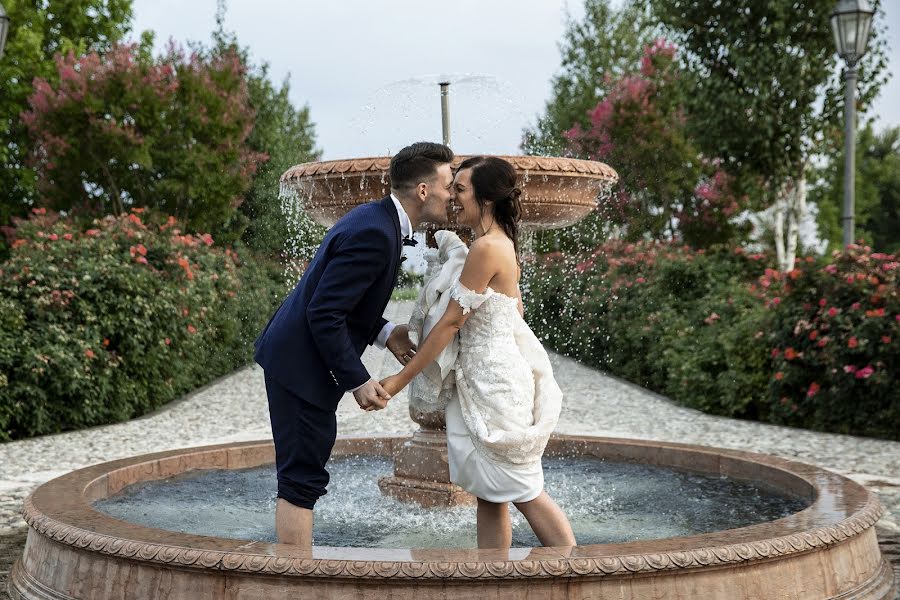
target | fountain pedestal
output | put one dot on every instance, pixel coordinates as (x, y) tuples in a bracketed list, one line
[(421, 473)]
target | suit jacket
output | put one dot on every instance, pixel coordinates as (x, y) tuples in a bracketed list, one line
[(313, 343)]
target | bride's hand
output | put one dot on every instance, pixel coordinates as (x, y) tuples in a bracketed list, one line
[(393, 384)]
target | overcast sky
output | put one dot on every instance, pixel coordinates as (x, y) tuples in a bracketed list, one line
[(369, 70)]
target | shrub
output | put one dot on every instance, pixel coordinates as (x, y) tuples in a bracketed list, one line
[(111, 322), (717, 331), (835, 343)]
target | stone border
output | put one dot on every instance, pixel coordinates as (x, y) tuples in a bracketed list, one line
[(535, 165), (596, 560)]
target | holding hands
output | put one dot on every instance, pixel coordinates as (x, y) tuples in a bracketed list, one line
[(371, 396)]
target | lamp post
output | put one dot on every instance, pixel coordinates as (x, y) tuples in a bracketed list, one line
[(4, 29), (850, 22)]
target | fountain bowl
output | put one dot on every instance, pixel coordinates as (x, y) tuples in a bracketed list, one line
[(556, 191), (825, 551)]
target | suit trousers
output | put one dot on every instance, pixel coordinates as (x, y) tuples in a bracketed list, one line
[(304, 436)]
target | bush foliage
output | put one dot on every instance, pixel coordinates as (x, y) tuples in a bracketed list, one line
[(718, 331), (107, 323)]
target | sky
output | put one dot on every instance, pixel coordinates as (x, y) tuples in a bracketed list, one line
[(369, 70)]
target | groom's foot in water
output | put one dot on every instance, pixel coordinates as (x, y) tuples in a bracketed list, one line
[(293, 524)]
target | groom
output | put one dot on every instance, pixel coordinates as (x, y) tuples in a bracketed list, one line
[(310, 350)]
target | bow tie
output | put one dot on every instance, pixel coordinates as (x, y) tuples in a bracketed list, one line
[(408, 241)]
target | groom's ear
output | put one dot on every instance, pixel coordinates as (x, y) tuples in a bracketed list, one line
[(422, 191)]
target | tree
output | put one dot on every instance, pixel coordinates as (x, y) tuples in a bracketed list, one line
[(39, 31), (765, 91), (123, 130), (283, 134), (666, 189), (603, 46), (877, 191)]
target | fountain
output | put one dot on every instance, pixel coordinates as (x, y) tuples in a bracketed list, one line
[(822, 546)]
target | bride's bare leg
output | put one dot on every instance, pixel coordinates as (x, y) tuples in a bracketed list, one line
[(548, 521), (494, 528)]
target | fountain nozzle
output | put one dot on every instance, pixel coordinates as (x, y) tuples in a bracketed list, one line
[(445, 111)]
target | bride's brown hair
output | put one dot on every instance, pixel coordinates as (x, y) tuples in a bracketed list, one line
[(494, 181)]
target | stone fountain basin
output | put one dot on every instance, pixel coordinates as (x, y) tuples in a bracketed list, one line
[(828, 550), (556, 191)]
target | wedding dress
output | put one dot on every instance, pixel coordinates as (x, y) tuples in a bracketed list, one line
[(506, 404)]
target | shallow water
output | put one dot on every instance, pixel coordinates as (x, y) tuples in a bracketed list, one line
[(605, 501)]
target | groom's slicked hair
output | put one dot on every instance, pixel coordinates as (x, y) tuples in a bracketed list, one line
[(417, 163)]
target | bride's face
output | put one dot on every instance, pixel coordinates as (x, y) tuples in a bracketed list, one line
[(463, 198)]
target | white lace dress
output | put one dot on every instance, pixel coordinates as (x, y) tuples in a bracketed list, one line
[(507, 405)]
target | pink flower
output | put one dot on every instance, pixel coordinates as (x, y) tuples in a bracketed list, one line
[(831, 269), (865, 372), (822, 302), (832, 312), (67, 237), (849, 368), (168, 341), (854, 306), (92, 232), (53, 237), (813, 389), (141, 260), (640, 280), (89, 353), (885, 339), (853, 343), (191, 329), (712, 318), (779, 376)]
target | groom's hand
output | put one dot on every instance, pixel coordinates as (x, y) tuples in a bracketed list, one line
[(371, 396), (400, 345)]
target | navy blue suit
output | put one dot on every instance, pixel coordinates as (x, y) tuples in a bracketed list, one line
[(311, 348)]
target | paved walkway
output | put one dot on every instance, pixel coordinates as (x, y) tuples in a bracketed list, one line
[(234, 409)]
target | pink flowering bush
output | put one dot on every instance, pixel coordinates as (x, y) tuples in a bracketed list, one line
[(718, 331), (106, 322), (124, 129), (641, 129), (834, 343)]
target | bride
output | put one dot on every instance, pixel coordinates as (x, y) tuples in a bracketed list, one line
[(508, 401)]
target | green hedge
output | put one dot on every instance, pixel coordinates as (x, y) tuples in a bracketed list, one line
[(108, 323), (711, 329)]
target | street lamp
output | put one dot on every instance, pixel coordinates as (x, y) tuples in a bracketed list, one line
[(850, 22), (4, 29)]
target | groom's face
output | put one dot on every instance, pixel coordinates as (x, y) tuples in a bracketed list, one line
[(437, 196)]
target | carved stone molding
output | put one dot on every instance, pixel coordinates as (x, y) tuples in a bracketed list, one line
[(695, 552)]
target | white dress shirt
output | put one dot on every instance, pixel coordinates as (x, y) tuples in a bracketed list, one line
[(405, 231)]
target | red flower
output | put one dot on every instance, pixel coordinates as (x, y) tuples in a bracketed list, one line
[(105, 342), (53, 237), (191, 329), (790, 354), (854, 306), (822, 302), (813, 389), (853, 343), (92, 232), (865, 372), (89, 353), (67, 236), (779, 376), (823, 342), (832, 312), (813, 334), (39, 211), (878, 312), (885, 339)]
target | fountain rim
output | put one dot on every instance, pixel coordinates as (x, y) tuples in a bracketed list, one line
[(74, 522), (534, 164)]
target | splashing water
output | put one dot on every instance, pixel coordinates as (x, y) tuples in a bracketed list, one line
[(606, 502)]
